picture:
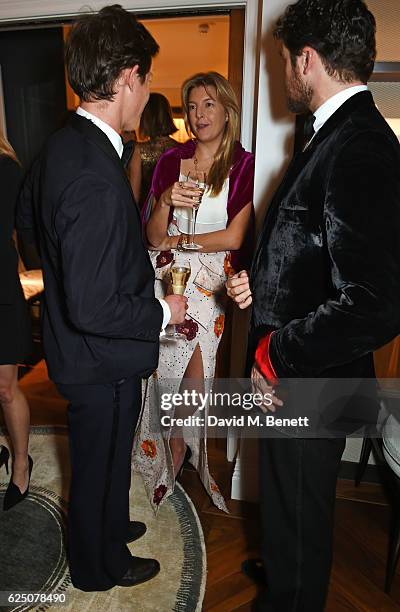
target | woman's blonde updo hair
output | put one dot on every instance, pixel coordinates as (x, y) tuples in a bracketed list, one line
[(226, 96)]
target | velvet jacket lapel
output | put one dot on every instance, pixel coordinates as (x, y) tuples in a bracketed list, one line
[(358, 101)]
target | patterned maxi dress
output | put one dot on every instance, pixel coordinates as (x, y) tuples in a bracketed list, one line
[(203, 326)]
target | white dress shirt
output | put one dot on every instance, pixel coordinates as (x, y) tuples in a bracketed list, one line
[(116, 142), (111, 134), (329, 107)]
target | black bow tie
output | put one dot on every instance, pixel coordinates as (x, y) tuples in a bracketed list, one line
[(127, 152)]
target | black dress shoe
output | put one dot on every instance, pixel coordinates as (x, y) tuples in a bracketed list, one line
[(136, 530), (13, 494), (140, 570), (254, 569), (186, 459)]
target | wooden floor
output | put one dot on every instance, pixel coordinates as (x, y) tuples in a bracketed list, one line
[(360, 536), (362, 523)]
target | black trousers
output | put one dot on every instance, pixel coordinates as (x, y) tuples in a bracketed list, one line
[(298, 487), (102, 421)]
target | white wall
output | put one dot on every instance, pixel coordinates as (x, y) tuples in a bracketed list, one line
[(275, 125), (274, 145)]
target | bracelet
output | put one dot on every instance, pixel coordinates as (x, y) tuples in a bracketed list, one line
[(183, 239)]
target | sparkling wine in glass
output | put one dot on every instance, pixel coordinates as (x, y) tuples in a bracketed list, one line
[(180, 273), (200, 181)]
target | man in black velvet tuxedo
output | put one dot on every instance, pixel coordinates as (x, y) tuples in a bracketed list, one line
[(325, 282), (101, 321)]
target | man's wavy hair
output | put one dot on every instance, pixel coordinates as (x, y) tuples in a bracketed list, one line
[(103, 44), (341, 31)]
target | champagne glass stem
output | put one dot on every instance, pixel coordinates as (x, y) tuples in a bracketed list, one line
[(176, 333), (194, 218), (175, 330)]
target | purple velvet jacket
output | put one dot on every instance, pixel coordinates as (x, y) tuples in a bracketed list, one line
[(241, 184)]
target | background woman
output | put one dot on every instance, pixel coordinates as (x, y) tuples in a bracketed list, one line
[(157, 125), (15, 334), (224, 229)]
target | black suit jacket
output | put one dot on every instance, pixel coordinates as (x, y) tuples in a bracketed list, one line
[(10, 182), (326, 274), (101, 321)]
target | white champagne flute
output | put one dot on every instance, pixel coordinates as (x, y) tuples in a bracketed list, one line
[(199, 178)]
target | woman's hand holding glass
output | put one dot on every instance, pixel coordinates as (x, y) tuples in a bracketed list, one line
[(182, 193)]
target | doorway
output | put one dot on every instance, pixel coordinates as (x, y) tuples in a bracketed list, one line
[(37, 97)]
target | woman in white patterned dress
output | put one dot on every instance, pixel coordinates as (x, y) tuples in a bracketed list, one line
[(224, 229)]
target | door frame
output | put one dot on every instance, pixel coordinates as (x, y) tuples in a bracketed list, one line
[(27, 12)]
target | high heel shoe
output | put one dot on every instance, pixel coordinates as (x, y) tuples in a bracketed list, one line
[(13, 494), (4, 457), (186, 458)]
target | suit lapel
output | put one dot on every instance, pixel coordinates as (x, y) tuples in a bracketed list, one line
[(90, 131)]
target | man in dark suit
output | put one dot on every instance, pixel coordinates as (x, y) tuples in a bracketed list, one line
[(101, 321), (325, 282)]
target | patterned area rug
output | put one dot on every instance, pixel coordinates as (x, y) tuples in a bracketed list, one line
[(32, 537)]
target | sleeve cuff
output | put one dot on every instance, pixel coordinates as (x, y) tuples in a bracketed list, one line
[(166, 313), (263, 360)]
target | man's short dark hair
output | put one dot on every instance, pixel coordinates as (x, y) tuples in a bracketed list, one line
[(103, 44), (341, 31)]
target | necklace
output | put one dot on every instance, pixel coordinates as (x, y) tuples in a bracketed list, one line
[(196, 161)]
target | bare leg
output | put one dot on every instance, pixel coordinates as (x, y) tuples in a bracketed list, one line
[(17, 418), (192, 378)]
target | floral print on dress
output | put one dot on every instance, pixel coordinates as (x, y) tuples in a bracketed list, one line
[(159, 494), (219, 325), (164, 258), (188, 328), (149, 448), (204, 309), (204, 291)]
